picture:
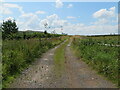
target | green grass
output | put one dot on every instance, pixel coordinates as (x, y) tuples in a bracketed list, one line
[(19, 54), (59, 58), (102, 58)]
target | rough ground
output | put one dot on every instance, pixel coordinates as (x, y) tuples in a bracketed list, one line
[(76, 74)]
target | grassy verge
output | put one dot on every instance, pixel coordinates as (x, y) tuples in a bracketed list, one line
[(104, 59), (19, 54), (59, 58)]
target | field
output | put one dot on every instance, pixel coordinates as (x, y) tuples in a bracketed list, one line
[(101, 53), (17, 54)]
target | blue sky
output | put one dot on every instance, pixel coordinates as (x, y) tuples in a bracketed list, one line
[(83, 18)]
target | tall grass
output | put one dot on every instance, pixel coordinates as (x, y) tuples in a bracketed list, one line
[(102, 58), (18, 54)]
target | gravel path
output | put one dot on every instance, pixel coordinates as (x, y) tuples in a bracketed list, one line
[(37, 74), (76, 74)]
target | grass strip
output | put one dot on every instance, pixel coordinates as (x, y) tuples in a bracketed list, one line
[(59, 58)]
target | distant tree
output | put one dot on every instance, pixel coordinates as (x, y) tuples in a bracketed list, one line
[(9, 27), (46, 25), (45, 32), (24, 35)]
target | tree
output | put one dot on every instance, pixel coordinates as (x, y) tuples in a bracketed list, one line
[(45, 32), (9, 27), (45, 28)]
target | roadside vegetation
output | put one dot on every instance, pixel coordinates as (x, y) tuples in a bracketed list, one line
[(96, 52), (59, 58), (21, 48)]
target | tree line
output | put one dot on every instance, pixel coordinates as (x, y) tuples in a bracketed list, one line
[(10, 31)]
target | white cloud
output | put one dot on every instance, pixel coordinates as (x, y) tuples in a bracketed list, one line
[(11, 5), (27, 15), (115, 20), (42, 22), (69, 6), (6, 11), (28, 21), (101, 21), (53, 17), (59, 23), (112, 8), (71, 17), (53, 21), (59, 4), (32, 22), (81, 29), (6, 8), (40, 12), (8, 18), (99, 27), (56, 30), (104, 13)]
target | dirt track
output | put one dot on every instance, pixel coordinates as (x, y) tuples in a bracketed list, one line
[(76, 74)]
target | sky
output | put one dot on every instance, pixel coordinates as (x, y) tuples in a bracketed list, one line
[(73, 18)]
